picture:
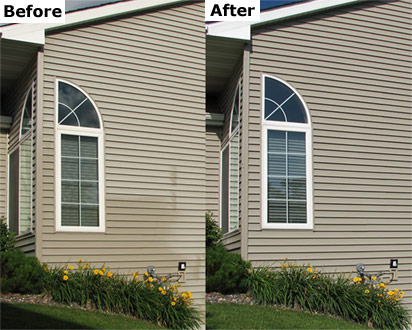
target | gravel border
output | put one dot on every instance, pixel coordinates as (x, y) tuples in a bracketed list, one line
[(212, 297)]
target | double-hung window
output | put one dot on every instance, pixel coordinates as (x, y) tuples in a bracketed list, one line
[(79, 161), (230, 172), (286, 158)]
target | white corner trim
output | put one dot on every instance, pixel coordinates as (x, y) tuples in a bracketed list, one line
[(241, 30), (35, 33)]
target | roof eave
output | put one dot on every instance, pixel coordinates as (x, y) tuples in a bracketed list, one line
[(35, 33)]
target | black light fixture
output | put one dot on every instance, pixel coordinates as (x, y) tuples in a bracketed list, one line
[(181, 266), (394, 263)]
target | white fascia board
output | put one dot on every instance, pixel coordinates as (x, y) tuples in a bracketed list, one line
[(228, 29), (35, 33), (235, 30)]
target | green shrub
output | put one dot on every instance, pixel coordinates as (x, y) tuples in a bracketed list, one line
[(157, 301), (225, 272), (213, 232), (6, 237), (20, 273), (301, 287)]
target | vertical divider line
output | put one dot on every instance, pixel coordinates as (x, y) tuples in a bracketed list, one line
[(80, 184), (287, 176)]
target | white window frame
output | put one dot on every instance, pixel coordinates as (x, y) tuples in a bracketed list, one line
[(79, 131), (225, 146), (289, 127)]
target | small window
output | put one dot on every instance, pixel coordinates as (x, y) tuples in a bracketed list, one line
[(80, 181), (21, 173), (230, 172), (286, 155)]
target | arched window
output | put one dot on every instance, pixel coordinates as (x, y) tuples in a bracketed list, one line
[(230, 172), (20, 173), (80, 171), (286, 158)]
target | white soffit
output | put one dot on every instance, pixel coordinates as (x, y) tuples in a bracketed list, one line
[(241, 30), (35, 33)]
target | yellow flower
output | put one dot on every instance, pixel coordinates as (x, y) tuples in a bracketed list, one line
[(137, 281), (150, 286), (100, 273), (310, 270), (65, 278), (164, 293), (367, 291), (65, 272), (159, 288), (86, 267), (402, 292), (80, 260), (96, 271), (109, 274), (173, 303), (45, 269), (313, 277), (146, 274), (382, 285), (357, 279), (104, 270), (163, 279), (71, 267), (150, 279), (373, 278), (174, 298)]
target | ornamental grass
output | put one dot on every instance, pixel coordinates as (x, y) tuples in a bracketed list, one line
[(366, 302), (144, 297)]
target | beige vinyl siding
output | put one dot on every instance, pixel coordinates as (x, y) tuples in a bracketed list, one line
[(146, 74), (352, 67), (213, 171), (3, 172), (13, 105)]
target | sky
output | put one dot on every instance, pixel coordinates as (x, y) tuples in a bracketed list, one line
[(76, 4)]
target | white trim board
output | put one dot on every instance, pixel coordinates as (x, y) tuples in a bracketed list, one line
[(242, 30), (35, 33)]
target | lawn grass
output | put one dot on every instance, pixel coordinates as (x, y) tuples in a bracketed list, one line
[(29, 316), (233, 316)]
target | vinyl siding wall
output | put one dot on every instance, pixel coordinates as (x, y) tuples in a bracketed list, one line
[(3, 172), (231, 240), (353, 68), (146, 74), (14, 104)]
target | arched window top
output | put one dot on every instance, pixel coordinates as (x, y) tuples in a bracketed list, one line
[(235, 112), (27, 115), (283, 103), (76, 108)]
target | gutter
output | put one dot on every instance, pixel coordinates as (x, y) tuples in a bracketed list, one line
[(215, 119), (5, 122)]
